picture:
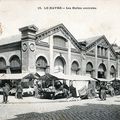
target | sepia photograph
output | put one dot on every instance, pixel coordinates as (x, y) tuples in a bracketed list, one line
[(59, 60)]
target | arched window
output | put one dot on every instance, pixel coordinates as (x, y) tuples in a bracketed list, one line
[(101, 71), (41, 65), (59, 65), (74, 68), (112, 71), (89, 69), (2, 65), (59, 41), (15, 64)]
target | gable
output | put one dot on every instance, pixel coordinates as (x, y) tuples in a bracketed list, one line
[(102, 44), (61, 31)]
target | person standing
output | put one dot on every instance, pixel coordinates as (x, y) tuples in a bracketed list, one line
[(6, 90), (36, 87), (19, 91), (102, 92)]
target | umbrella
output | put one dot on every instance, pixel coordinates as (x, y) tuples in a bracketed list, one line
[(30, 76)]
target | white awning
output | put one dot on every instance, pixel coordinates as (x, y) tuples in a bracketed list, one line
[(12, 76), (117, 78), (73, 77), (103, 79)]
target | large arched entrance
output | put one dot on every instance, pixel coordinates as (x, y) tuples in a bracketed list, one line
[(75, 68), (89, 69), (15, 64), (59, 65), (112, 72), (101, 71), (41, 65), (2, 69), (91, 84), (2, 65)]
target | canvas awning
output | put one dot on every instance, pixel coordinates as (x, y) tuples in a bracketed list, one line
[(103, 79), (12, 76), (48, 76), (117, 78), (73, 77)]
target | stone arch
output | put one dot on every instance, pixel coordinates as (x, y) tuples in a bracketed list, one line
[(15, 64), (41, 65), (75, 67), (89, 69), (2, 65), (102, 71), (59, 65), (43, 55)]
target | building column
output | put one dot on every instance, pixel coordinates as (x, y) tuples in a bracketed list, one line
[(96, 67), (69, 57), (8, 70), (108, 65), (118, 67), (51, 54), (83, 63)]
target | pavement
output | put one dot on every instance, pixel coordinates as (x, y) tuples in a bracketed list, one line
[(30, 108), (32, 99)]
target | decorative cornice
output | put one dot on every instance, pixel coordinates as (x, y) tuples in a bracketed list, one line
[(74, 50), (42, 44), (10, 47), (90, 54), (103, 57), (60, 48)]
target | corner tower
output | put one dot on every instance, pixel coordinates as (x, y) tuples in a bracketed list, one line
[(28, 48)]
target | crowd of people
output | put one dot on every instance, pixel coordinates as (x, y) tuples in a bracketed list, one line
[(58, 86)]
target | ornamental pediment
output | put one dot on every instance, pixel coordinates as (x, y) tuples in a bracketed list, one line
[(102, 45), (59, 30)]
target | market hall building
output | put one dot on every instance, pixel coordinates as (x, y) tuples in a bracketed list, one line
[(56, 50)]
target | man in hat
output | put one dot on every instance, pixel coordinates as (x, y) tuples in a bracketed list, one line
[(6, 90)]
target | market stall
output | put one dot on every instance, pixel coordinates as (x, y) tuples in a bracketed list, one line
[(116, 85)]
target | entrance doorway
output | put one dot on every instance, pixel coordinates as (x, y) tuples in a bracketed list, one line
[(102, 71)]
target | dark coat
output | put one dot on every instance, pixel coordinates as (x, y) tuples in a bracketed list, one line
[(19, 88), (6, 90)]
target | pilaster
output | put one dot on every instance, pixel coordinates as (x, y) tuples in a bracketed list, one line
[(108, 65), (96, 67), (51, 54), (69, 57)]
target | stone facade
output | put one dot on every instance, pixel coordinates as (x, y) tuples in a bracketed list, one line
[(56, 50)]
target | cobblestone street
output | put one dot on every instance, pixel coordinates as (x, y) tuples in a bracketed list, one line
[(92, 109)]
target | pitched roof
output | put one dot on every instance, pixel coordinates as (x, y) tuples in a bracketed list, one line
[(90, 40), (47, 32), (10, 39)]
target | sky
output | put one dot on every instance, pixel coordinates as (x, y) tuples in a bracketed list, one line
[(83, 23)]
